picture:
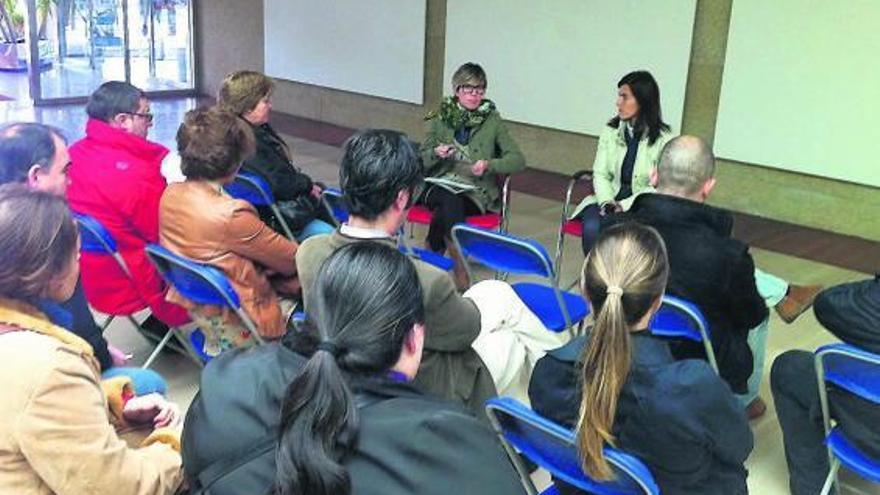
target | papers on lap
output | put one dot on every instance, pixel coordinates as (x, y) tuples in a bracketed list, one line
[(452, 186)]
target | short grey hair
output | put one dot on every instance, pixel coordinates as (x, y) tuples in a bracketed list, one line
[(686, 163)]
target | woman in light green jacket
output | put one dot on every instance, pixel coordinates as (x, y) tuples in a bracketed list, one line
[(629, 148), (467, 143)]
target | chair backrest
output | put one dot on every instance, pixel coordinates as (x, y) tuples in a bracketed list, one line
[(201, 284), (503, 252), (553, 447), (682, 319), (335, 204), (252, 188), (94, 238), (855, 370), (679, 318)]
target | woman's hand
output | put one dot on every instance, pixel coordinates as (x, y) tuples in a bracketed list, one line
[(610, 207), (118, 357), (444, 150), (151, 408), (479, 167), (316, 191)]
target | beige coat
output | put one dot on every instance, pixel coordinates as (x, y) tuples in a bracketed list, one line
[(56, 435), (610, 153), (197, 220)]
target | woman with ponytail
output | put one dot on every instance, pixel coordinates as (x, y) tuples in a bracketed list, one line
[(620, 385), (330, 409)]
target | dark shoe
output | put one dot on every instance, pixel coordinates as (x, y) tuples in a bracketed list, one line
[(756, 409), (154, 330), (798, 299)]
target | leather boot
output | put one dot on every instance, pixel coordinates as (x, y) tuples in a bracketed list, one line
[(798, 299)]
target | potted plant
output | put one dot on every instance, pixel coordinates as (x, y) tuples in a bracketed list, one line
[(13, 48)]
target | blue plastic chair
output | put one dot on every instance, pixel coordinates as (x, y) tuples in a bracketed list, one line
[(200, 283), (858, 372), (96, 239), (553, 448), (334, 203), (502, 252), (681, 319), (252, 188)]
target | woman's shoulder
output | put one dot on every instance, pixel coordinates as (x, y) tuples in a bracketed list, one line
[(682, 386)]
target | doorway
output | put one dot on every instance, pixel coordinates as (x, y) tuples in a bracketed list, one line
[(79, 44)]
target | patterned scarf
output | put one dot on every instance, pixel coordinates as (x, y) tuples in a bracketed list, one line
[(457, 117)]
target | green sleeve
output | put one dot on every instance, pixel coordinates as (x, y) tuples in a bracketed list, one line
[(433, 138), (603, 173), (511, 159)]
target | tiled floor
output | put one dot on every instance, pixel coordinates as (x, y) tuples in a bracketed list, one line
[(537, 218)]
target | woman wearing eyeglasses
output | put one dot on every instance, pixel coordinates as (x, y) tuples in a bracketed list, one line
[(466, 143), (629, 148)]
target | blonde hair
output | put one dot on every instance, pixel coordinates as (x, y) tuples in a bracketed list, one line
[(623, 276), (469, 74), (241, 91)]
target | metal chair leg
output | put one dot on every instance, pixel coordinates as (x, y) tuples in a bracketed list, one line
[(158, 349), (187, 345), (107, 323), (831, 480)]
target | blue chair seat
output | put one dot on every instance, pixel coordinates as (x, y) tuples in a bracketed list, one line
[(430, 257), (853, 458), (542, 301)]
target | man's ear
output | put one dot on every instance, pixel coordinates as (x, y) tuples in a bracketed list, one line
[(655, 177), (119, 120), (402, 200), (33, 176), (707, 188)]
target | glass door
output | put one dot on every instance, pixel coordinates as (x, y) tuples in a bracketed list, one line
[(83, 43)]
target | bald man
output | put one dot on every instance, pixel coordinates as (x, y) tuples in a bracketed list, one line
[(712, 269)]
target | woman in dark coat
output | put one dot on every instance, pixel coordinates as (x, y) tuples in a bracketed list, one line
[(350, 421), (248, 94), (622, 386)]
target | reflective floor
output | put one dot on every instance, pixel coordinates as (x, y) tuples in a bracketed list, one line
[(532, 217)]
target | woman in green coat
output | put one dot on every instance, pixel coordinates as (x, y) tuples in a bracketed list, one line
[(629, 148), (468, 145)]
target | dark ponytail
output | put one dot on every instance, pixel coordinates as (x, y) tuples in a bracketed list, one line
[(365, 301)]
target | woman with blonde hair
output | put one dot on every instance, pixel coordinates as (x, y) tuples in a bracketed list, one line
[(678, 417), (248, 94), (467, 143)]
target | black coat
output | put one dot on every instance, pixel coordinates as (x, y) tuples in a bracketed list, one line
[(678, 417), (272, 161), (408, 442), (711, 269)]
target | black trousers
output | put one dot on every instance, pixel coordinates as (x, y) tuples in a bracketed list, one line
[(448, 209), (796, 394)]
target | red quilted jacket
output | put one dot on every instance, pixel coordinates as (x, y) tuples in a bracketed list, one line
[(116, 178)]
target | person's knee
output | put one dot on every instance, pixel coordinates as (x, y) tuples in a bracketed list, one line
[(790, 366)]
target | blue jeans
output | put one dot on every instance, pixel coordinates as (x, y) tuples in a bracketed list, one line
[(144, 381), (313, 228)]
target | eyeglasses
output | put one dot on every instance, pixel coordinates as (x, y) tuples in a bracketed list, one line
[(148, 116), (473, 90)]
